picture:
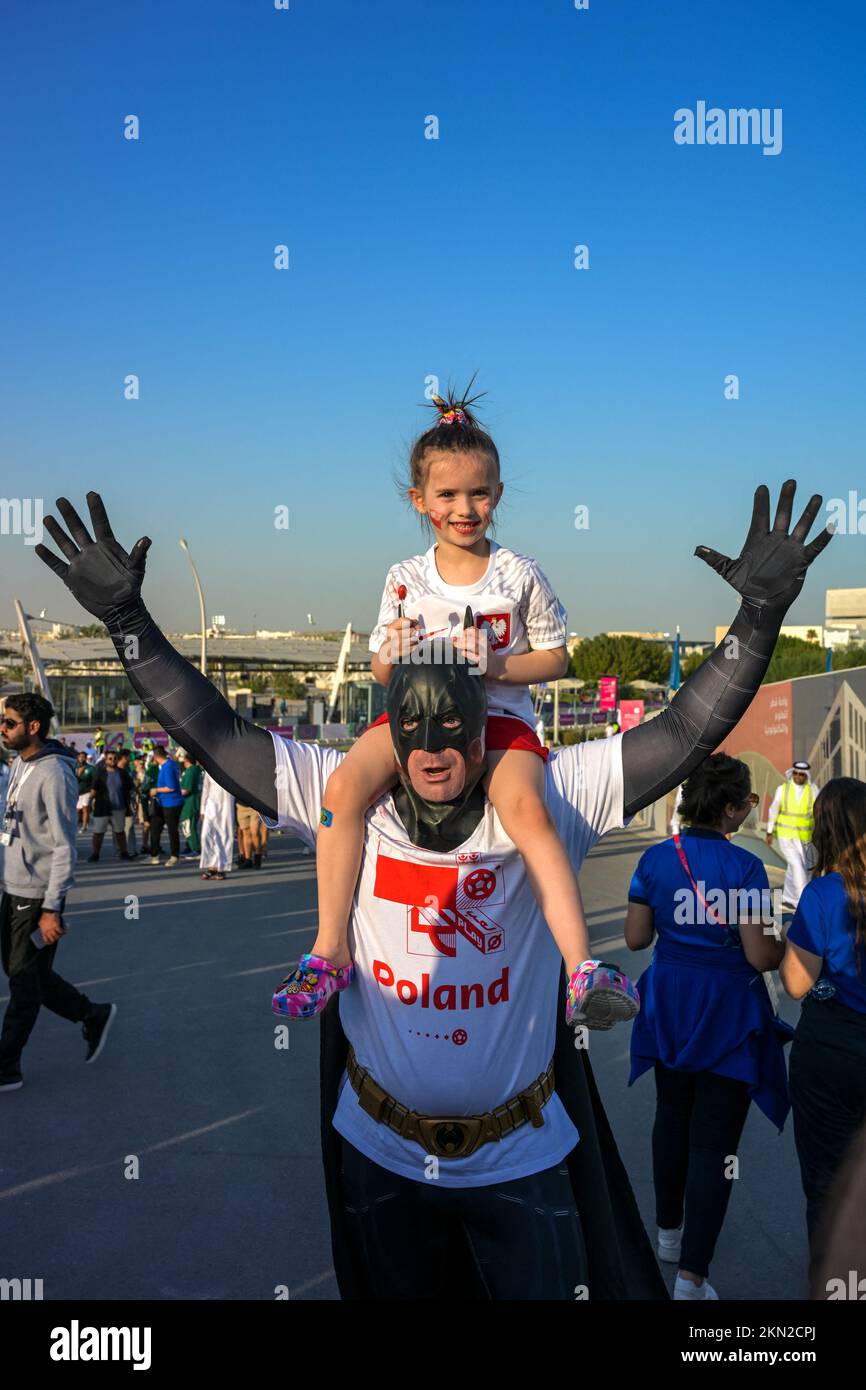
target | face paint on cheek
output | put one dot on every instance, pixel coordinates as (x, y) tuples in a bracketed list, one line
[(436, 518)]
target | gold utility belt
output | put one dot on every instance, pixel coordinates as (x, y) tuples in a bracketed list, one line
[(450, 1136)]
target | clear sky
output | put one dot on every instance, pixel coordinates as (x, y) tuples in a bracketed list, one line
[(411, 257)]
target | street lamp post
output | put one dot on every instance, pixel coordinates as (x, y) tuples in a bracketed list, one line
[(183, 545)]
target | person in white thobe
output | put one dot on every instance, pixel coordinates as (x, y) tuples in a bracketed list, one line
[(676, 823), (791, 817), (217, 827)]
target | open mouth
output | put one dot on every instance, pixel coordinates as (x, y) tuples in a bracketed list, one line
[(435, 774), (465, 528)]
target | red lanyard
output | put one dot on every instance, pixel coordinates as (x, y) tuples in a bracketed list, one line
[(710, 912)]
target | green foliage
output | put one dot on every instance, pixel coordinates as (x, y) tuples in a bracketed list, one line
[(630, 658), (288, 686), (794, 657), (582, 734), (846, 657), (690, 664), (92, 630)]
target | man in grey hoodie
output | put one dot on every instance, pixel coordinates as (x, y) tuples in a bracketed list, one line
[(38, 839)]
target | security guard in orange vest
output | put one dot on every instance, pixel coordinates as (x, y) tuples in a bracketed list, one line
[(792, 816)]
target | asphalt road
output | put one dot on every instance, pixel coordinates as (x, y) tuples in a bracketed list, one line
[(185, 1162)]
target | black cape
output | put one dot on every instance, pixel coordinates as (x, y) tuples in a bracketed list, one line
[(621, 1262)]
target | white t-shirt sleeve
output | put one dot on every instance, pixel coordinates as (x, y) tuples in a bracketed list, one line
[(542, 613), (585, 793), (387, 609), (301, 772)]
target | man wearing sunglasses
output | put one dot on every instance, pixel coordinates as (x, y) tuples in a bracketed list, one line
[(38, 839)]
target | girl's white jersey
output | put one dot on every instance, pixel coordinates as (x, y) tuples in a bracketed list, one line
[(513, 599)]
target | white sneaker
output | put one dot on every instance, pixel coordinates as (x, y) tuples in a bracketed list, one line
[(669, 1245), (155, 859), (685, 1291), (170, 863)]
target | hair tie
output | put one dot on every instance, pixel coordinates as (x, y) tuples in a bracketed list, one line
[(448, 414)]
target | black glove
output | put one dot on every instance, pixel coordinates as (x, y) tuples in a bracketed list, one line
[(100, 574), (772, 567)]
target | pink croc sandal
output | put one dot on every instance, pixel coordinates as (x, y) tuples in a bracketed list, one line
[(599, 996), (307, 990)]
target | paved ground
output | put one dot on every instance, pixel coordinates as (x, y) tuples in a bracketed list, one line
[(223, 1128)]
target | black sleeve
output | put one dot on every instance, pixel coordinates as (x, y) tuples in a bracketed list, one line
[(658, 755), (237, 754)]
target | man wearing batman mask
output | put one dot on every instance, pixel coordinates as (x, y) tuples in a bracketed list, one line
[(467, 1153)]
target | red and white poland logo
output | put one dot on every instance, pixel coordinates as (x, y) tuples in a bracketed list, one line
[(444, 901)]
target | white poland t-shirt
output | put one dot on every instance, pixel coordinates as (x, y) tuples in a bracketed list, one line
[(513, 600), (453, 1008)]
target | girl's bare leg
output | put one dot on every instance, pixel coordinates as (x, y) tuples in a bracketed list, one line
[(365, 774), (515, 785)]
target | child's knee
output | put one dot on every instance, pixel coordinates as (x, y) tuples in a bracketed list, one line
[(343, 792), (527, 808)]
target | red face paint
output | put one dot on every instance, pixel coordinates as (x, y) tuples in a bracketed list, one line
[(436, 519)]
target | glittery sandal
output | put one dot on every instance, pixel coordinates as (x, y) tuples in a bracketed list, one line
[(307, 990), (599, 996)]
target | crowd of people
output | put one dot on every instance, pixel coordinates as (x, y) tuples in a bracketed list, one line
[(149, 795)]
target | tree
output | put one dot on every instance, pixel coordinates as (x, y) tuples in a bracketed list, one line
[(630, 658), (288, 686), (794, 657), (846, 657)]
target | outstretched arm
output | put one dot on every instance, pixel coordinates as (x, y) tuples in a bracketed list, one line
[(768, 575), (107, 582)]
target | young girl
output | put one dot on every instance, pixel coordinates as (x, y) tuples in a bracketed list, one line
[(518, 637)]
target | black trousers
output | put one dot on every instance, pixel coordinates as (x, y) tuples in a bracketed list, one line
[(168, 816), (522, 1239), (827, 1077), (698, 1124), (32, 979)]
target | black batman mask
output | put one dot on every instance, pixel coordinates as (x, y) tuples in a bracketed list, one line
[(431, 689)]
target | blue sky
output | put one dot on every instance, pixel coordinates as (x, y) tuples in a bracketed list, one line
[(411, 257)]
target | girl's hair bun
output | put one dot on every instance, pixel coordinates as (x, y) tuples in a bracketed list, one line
[(452, 411)]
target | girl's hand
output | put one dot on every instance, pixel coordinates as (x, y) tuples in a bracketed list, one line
[(402, 636), (472, 641)]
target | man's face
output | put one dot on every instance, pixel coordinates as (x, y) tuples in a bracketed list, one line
[(438, 714), (16, 733), (800, 777), (111, 761), (441, 776)]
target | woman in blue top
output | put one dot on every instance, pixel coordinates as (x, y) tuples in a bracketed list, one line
[(706, 1024), (825, 960)]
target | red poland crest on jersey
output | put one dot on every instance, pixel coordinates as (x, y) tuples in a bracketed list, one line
[(444, 902), (499, 628)]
